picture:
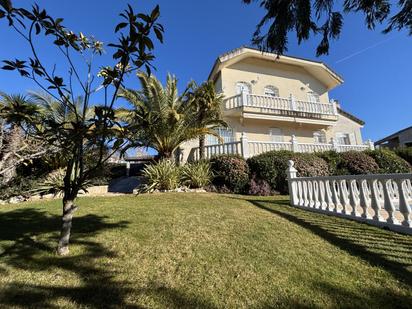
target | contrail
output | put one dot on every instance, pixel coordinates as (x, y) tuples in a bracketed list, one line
[(366, 49)]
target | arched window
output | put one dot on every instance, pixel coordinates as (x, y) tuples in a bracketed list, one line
[(319, 137), (313, 97), (243, 87), (271, 91), (225, 133)]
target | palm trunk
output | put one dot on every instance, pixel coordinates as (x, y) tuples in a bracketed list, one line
[(202, 142), (68, 210)]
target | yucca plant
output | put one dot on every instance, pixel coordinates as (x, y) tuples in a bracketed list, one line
[(164, 175), (196, 175)]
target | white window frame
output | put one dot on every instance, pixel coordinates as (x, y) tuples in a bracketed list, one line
[(319, 137), (343, 138), (243, 87), (276, 135), (313, 97), (225, 133), (271, 91)]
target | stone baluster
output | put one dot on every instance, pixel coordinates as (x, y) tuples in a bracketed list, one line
[(388, 201), (404, 206)]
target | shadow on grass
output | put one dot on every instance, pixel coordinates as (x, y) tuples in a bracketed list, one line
[(20, 231), (27, 240), (387, 250)]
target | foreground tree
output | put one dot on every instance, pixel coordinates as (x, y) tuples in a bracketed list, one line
[(167, 119), (77, 135), (324, 17)]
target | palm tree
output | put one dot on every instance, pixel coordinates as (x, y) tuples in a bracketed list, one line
[(162, 118), (207, 103)]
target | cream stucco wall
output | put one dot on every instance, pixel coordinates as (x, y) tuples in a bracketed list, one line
[(260, 73)]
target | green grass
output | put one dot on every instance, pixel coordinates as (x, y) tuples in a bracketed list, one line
[(199, 250)]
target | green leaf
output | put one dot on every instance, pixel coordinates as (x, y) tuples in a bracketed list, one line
[(120, 26)]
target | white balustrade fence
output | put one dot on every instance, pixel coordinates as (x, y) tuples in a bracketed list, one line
[(272, 103), (246, 148), (382, 200)]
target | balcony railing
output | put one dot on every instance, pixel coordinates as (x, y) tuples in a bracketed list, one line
[(246, 148), (279, 105)]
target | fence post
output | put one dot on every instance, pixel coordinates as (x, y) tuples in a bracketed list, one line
[(291, 174), (295, 145), (334, 144), (371, 144), (292, 102), (127, 169), (244, 145)]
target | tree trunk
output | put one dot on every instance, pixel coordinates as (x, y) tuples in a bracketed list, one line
[(202, 142), (68, 210)]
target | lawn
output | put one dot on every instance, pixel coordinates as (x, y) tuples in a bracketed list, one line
[(199, 250)]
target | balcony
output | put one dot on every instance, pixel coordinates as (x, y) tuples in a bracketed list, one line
[(278, 108)]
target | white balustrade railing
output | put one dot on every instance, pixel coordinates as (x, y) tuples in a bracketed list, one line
[(246, 148), (315, 147), (270, 104), (343, 148), (384, 200), (256, 148), (219, 149)]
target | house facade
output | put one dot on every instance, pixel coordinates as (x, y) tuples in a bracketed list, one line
[(274, 103)]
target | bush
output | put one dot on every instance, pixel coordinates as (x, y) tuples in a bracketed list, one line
[(357, 163), (389, 162), (18, 186), (333, 159), (405, 153), (259, 187), (164, 175), (230, 171), (271, 167), (196, 175)]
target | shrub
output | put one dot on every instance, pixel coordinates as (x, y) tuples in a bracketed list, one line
[(271, 167), (389, 162), (405, 153), (196, 175), (164, 175), (357, 163), (18, 186), (259, 187), (230, 171), (333, 159)]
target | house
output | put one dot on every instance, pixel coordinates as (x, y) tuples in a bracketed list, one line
[(274, 103), (398, 139)]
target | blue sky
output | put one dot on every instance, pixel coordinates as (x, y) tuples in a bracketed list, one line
[(376, 67)]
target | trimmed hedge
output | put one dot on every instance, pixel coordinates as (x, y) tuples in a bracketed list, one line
[(271, 167), (389, 162), (405, 153), (357, 163), (231, 172)]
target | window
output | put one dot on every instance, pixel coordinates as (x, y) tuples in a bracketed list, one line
[(243, 87), (225, 133), (313, 97), (276, 134), (319, 137), (343, 138), (271, 91)]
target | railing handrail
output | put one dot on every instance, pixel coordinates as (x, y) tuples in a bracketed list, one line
[(269, 142), (358, 177)]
